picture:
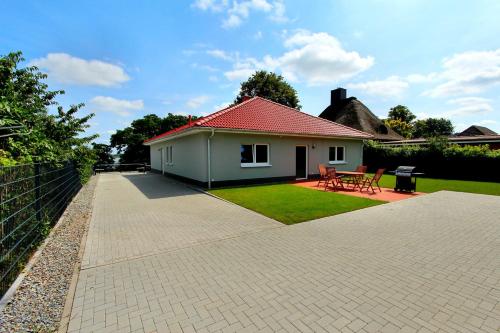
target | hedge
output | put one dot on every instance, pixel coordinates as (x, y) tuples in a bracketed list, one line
[(438, 159)]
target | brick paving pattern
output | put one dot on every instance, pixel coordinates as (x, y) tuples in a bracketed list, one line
[(161, 257)]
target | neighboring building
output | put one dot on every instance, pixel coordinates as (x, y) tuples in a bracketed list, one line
[(476, 130), (351, 112), (253, 142), (472, 136)]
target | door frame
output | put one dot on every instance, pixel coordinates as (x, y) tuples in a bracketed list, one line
[(307, 161)]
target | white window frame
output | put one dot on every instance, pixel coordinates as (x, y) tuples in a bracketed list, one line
[(336, 161), (169, 159), (254, 164), (162, 160)]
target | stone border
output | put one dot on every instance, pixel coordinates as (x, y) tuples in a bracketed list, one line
[(70, 296)]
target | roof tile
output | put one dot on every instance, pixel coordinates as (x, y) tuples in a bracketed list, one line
[(262, 115)]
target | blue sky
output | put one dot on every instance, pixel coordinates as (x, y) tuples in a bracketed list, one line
[(125, 59)]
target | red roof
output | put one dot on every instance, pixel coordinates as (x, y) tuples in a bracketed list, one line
[(262, 115)]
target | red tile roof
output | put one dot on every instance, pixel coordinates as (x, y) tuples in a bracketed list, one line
[(262, 115)]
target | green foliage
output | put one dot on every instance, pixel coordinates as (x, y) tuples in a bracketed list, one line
[(402, 113), (403, 122), (399, 126), (103, 153), (38, 135), (271, 86), (129, 141), (437, 159), (432, 127)]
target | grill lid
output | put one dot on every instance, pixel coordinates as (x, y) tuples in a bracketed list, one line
[(404, 170)]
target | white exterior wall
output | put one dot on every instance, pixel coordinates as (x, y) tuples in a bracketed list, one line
[(226, 155), (190, 156)]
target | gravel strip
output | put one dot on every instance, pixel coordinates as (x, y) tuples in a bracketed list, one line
[(39, 301)]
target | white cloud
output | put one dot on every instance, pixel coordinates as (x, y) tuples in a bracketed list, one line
[(470, 72), (67, 69), (213, 78), (197, 101), (393, 86), (466, 106), (212, 5), (421, 78), (239, 10), (220, 54), (204, 67), (278, 14), (258, 35), (241, 73), (121, 107), (315, 58), (221, 106), (232, 21), (487, 122)]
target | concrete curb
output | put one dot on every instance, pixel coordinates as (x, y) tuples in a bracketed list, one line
[(70, 296)]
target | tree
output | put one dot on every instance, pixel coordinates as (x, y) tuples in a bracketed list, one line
[(402, 113), (32, 133), (271, 86), (103, 153), (401, 127), (432, 127), (129, 140)]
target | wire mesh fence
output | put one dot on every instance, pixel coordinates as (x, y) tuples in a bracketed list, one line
[(32, 198)]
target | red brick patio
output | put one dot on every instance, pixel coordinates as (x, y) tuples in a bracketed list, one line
[(387, 194)]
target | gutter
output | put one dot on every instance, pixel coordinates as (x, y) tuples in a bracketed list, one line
[(194, 130), (209, 171)]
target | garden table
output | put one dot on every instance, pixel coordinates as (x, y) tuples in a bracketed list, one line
[(355, 176)]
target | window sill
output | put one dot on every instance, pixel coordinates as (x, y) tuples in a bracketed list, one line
[(255, 165), (337, 162)]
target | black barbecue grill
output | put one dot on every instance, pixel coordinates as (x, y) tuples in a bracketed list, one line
[(406, 178)]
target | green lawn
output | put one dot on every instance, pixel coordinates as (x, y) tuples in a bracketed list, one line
[(429, 185), (292, 204)]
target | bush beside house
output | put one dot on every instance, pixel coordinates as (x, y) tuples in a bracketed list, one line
[(439, 159)]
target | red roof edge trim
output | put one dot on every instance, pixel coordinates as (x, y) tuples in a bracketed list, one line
[(198, 122)]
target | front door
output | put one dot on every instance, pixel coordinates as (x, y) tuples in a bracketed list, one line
[(301, 162)]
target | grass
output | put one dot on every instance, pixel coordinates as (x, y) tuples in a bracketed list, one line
[(291, 204), (429, 185)]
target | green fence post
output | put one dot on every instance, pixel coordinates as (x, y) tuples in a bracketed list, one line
[(37, 193)]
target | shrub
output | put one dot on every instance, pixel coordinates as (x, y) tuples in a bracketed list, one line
[(437, 159)]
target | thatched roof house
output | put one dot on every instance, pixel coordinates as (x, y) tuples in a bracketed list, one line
[(351, 112), (476, 130)]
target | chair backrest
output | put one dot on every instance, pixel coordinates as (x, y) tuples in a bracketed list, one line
[(332, 172), (378, 174), (361, 168), (322, 170)]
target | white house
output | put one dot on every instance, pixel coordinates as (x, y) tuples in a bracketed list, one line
[(255, 141)]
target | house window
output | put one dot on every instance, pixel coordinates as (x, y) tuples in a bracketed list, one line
[(254, 155), (168, 155), (336, 155)]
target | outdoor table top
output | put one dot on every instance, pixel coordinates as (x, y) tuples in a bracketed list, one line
[(350, 173)]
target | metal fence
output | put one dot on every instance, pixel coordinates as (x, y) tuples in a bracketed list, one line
[(109, 167), (32, 198)]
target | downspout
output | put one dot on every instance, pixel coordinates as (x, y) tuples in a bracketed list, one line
[(209, 171)]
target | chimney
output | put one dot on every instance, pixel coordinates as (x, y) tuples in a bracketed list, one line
[(337, 95), (189, 120), (245, 98)]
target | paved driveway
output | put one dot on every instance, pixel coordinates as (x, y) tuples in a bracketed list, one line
[(161, 257)]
